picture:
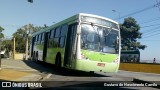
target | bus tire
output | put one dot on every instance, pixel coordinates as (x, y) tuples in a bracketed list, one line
[(92, 72), (58, 60)]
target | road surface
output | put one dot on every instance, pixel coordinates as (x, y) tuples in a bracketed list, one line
[(61, 78)]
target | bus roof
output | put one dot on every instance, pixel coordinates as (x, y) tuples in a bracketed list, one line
[(47, 29), (92, 15), (71, 19)]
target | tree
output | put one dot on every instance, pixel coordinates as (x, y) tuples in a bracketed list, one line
[(20, 36), (1, 34), (130, 33), (7, 44)]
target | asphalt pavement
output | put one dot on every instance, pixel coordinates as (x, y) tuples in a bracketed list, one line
[(25, 70)]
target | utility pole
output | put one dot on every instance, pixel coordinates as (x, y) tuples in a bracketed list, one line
[(0, 56), (118, 14), (14, 45), (26, 56), (0, 53)]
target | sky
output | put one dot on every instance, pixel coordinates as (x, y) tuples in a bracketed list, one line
[(17, 13)]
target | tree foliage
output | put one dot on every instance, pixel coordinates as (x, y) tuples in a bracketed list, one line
[(130, 33), (1, 34), (22, 33), (7, 44)]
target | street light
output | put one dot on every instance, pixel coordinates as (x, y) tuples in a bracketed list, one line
[(118, 14), (31, 1)]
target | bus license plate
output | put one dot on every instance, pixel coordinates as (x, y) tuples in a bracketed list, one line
[(101, 64)]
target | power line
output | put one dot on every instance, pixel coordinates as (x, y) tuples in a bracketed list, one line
[(150, 20), (150, 7), (151, 29), (150, 25), (158, 6), (150, 40), (147, 33), (151, 35)]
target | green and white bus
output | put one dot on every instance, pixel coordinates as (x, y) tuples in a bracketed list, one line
[(83, 42)]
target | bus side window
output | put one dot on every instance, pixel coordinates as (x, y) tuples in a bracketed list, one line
[(62, 41), (39, 39), (56, 39), (51, 36), (42, 38), (63, 35), (35, 40), (57, 34)]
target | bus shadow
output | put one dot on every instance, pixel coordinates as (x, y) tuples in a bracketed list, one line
[(49, 68)]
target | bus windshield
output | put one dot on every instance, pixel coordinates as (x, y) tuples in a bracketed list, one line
[(100, 39)]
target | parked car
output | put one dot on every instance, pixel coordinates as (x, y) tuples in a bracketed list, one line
[(4, 54)]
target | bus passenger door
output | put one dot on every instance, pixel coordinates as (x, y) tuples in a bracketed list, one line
[(45, 46), (69, 48)]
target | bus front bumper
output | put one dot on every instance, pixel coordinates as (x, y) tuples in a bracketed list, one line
[(87, 65)]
